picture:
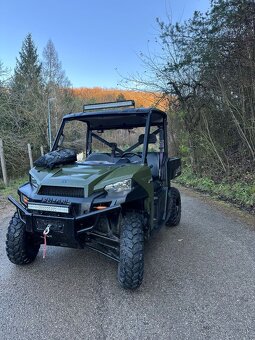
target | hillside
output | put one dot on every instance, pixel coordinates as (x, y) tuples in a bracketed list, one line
[(99, 94)]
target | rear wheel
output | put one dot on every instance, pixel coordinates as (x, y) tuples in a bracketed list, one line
[(21, 247), (174, 207), (130, 269)]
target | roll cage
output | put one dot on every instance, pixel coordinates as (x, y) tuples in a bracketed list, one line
[(101, 120)]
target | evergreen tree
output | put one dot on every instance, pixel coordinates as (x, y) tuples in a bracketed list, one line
[(24, 104), (27, 73), (27, 102)]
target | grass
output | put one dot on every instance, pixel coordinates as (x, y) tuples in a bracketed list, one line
[(12, 187), (240, 193)]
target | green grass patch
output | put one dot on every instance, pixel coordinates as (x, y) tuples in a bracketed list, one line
[(12, 187), (240, 193)]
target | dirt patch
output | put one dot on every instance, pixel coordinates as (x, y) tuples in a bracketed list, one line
[(6, 208)]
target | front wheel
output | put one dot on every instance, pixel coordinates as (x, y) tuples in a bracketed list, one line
[(21, 247), (174, 208), (130, 269)]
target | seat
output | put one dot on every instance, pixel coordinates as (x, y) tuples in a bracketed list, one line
[(153, 163), (99, 157)]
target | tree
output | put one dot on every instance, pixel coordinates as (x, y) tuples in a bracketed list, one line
[(24, 103), (27, 92), (4, 98), (25, 120), (4, 73), (27, 73), (120, 97), (53, 74), (57, 85), (207, 63)]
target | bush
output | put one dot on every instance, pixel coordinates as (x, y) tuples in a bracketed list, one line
[(240, 192)]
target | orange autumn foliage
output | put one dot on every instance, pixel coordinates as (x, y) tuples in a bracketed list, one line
[(100, 95)]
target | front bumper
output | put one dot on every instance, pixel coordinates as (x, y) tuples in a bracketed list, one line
[(65, 231)]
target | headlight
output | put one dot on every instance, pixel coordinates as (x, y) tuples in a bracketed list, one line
[(33, 181), (119, 187), (24, 199)]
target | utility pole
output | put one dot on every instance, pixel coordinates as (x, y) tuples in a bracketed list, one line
[(30, 155), (49, 122)]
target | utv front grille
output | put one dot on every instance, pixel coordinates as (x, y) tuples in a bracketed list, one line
[(61, 191)]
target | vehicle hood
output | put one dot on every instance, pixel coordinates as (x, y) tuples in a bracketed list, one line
[(90, 177)]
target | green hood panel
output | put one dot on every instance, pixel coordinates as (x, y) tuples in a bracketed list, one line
[(90, 177)]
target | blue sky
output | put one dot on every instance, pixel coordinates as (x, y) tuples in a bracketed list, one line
[(93, 38)]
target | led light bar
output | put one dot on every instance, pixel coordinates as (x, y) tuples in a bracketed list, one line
[(50, 208), (108, 105)]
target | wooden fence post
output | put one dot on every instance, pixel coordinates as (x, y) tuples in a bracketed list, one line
[(30, 155), (42, 152), (3, 164)]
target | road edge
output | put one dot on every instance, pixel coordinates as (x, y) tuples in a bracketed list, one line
[(228, 208)]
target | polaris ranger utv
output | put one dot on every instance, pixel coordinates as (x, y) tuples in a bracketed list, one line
[(111, 199)]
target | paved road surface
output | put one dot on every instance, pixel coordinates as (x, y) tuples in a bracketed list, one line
[(199, 284)]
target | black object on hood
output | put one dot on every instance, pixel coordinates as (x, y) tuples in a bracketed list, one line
[(57, 157)]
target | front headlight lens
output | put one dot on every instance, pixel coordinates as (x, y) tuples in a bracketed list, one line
[(119, 186), (24, 199), (33, 181)]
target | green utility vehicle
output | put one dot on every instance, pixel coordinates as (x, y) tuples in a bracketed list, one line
[(105, 185)]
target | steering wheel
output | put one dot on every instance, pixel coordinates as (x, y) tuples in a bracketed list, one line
[(131, 153)]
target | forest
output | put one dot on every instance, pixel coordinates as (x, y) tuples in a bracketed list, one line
[(207, 70), (204, 77)]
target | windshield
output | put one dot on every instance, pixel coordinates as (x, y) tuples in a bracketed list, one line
[(106, 145), (117, 141), (74, 136)]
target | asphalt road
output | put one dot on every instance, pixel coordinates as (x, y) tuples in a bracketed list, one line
[(199, 284)]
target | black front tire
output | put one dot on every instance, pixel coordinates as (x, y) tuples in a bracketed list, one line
[(131, 265), (21, 247), (174, 208)]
